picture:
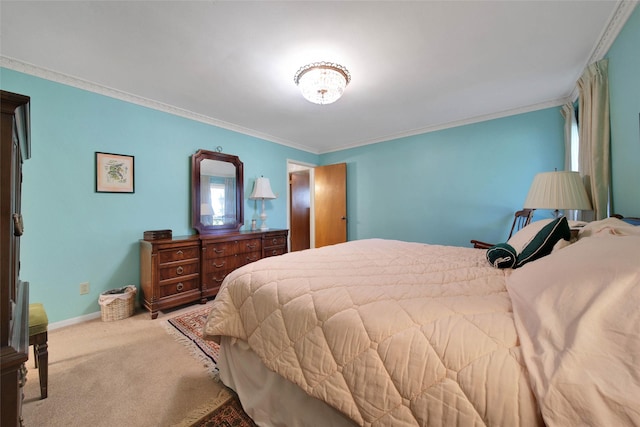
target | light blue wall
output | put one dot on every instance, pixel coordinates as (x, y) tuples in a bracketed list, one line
[(450, 186), (73, 234), (624, 87)]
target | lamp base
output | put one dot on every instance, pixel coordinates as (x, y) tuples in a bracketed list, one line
[(263, 219)]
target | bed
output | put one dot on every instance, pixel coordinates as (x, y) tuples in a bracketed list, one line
[(383, 333)]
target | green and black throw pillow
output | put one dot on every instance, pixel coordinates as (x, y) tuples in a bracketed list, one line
[(502, 255), (542, 244)]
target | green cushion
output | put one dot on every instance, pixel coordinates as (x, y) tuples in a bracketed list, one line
[(502, 255), (543, 242), (38, 320)]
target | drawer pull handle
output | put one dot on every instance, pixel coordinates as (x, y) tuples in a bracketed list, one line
[(218, 251), (179, 253), (274, 241), (180, 270), (251, 259), (251, 246), (18, 226), (275, 252), (180, 286), (218, 266)]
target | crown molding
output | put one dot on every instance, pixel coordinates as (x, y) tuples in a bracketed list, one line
[(618, 18), (457, 123), (57, 77), (54, 76)]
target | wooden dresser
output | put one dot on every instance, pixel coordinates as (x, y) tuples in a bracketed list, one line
[(182, 270), (14, 294), (169, 272)]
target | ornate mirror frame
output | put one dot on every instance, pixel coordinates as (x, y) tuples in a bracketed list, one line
[(201, 163)]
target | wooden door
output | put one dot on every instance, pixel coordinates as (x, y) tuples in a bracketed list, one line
[(300, 210), (330, 204)]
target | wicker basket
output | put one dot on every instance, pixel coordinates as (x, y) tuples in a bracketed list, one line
[(117, 304)]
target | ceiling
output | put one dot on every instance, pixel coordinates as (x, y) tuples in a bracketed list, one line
[(416, 66)]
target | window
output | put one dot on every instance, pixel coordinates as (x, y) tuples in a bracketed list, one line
[(575, 143), (217, 203)]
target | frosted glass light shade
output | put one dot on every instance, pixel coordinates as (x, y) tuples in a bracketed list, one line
[(322, 82), (557, 190)]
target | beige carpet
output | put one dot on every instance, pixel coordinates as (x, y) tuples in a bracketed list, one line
[(128, 372)]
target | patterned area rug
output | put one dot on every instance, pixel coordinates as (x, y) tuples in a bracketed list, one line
[(229, 414), (187, 328), (225, 410)]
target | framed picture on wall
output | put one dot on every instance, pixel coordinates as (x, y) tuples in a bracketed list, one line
[(114, 173)]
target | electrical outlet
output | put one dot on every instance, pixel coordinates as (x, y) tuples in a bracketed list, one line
[(84, 288)]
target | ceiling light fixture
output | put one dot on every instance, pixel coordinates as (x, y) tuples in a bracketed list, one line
[(322, 82)]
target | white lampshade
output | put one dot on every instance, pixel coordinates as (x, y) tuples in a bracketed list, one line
[(262, 189), (558, 191)]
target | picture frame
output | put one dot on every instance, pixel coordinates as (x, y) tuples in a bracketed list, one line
[(114, 173)]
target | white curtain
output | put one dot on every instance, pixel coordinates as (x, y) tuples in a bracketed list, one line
[(229, 199), (569, 121), (570, 146), (594, 130)]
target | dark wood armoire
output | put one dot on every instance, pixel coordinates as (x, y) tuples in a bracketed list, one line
[(14, 294)]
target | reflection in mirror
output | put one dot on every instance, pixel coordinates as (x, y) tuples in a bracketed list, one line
[(217, 192)]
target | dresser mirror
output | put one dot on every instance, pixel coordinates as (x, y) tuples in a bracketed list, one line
[(217, 192)]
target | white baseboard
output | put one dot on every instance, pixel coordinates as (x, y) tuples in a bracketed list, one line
[(75, 320)]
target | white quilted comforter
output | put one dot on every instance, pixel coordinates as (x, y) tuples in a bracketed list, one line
[(387, 332)]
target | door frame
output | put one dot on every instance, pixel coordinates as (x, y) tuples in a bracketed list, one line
[(292, 166)]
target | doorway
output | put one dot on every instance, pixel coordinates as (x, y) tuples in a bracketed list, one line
[(316, 205), (300, 205), (300, 210)]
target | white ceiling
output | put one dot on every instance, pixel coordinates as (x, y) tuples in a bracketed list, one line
[(416, 66)]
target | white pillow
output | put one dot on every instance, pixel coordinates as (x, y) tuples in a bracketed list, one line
[(520, 240), (608, 226), (561, 244)]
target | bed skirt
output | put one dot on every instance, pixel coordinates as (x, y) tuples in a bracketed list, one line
[(268, 398)]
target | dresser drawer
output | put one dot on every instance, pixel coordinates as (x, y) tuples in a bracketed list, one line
[(178, 254), (224, 249), (244, 259), (280, 241), (274, 251), (213, 279), (174, 287), (229, 263), (172, 270)]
